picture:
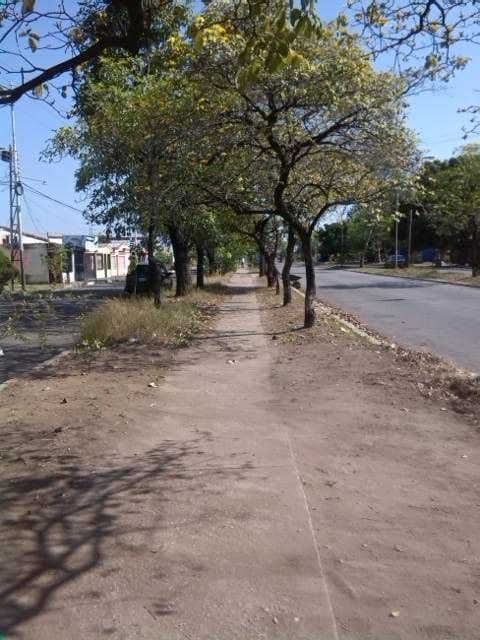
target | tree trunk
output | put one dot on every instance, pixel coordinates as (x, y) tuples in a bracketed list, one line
[(270, 268), (261, 266), (151, 241), (287, 266), (277, 280), (363, 254), (310, 290), (180, 253), (154, 275), (200, 267), (188, 267)]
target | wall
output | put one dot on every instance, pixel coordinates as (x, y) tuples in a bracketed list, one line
[(35, 263)]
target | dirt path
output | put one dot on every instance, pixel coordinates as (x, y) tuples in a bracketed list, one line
[(233, 500)]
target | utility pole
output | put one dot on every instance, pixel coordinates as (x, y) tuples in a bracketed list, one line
[(16, 190), (12, 245), (410, 223), (396, 228)]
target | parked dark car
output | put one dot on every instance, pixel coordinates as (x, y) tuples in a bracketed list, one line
[(141, 276), (400, 261)]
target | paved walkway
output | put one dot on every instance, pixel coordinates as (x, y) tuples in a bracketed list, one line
[(261, 574)]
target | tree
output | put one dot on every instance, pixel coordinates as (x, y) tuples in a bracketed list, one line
[(302, 140), (115, 27), (329, 239), (74, 38), (452, 200), (133, 161), (8, 271), (426, 30)]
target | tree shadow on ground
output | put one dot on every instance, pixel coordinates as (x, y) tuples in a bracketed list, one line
[(56, 525), (231, 289)]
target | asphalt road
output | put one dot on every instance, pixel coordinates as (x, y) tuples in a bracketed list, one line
[(45, 326), (441, 318)]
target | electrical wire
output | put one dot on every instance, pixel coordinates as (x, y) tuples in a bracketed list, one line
[(42, 206), (34, 179), (44, 195), (36, 222)]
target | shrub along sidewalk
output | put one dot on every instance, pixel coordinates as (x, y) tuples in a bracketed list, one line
[(136, 319)]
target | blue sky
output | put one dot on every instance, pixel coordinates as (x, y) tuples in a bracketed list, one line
[(434, 115)]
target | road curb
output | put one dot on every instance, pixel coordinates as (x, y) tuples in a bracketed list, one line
[(42, 365), (348, 325), (382, 341), (434, 280)]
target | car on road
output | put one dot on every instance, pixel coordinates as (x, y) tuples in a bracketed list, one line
[(398, 260), (137, 280)]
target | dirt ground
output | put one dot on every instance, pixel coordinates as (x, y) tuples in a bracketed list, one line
[(265, 482)]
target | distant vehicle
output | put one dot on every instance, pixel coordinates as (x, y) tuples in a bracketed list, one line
[(399, 260), (430, 254), (141, 276)]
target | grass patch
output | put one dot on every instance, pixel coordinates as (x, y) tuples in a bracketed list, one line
[(138, 320)]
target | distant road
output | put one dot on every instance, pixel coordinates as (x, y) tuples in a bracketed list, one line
[(441, 318)]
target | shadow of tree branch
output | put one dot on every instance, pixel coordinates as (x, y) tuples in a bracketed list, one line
[(55, 525)]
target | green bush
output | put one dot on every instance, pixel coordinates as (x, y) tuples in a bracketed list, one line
[(7, 271)]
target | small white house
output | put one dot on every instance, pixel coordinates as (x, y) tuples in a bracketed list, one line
[(94, 260)]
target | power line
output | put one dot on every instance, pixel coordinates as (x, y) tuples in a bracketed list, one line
[(44, 195), (33, 218)]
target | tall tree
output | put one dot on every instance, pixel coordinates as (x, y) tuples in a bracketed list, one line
[(452, 200), (322, 129)]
